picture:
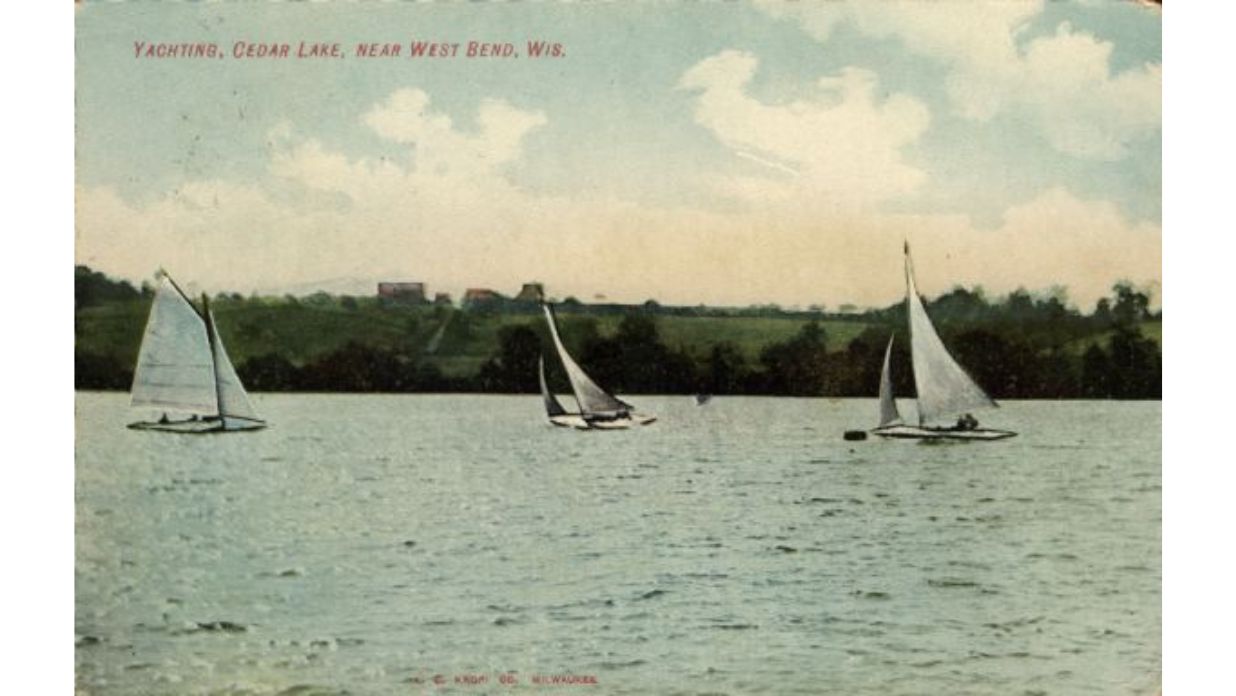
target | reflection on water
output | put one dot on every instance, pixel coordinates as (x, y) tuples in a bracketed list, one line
[(366, 544)]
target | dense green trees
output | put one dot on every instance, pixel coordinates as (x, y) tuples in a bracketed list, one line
[(93, 371), (92, 288), (514, 368), (635, 360), (797, 367), (724, 370)]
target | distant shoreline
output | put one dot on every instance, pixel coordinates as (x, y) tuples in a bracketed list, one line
[(1019, 346)]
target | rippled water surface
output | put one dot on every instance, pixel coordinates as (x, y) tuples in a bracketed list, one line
[(365, 544)]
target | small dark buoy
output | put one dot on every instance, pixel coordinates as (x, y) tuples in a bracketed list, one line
[(856, 435)]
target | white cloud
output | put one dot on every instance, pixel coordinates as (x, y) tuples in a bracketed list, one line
[(1064, 82), (1084, 110), (837, 145), (443, 151), (1054, 238), (981, 33)]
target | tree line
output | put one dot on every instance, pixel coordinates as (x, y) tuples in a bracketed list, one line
[(1025, 357), (1020, 346)]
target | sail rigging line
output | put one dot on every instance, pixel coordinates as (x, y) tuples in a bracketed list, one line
[(214, 354)]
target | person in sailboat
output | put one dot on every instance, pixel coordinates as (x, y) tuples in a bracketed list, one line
[(967, 422), (163, 419)]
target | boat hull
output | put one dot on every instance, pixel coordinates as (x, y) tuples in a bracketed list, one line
[(912, 432), (570, 420), (200, 426), (621, 423), (573, 420)]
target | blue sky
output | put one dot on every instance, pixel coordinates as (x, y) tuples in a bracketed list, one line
[(692, 152)]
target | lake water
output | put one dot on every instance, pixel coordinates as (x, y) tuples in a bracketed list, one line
[(366, 544)]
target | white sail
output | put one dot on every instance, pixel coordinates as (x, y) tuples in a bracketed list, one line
[(233, 401), (175, 371), (592, 398), (888, 405), (552, 407), (944, 389)]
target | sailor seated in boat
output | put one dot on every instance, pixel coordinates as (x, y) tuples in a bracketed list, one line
[(163, 419), (966, 422)]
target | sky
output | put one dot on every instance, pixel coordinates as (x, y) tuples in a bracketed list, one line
[(727, 154)]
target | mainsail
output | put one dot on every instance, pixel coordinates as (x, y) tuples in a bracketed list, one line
[(233, 401), (592, 398), (552, 407), (175, 370), (888, 406), (944, 389)]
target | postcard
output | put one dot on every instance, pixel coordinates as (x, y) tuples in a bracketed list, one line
[(621, 348)]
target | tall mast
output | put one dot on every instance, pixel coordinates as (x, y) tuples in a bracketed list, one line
[(909, 264), (176, 287), (214, 358)]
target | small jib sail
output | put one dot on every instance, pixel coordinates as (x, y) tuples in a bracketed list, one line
[(593, 400), (889, 415), (184, 370), (552, 407), (943, 388)]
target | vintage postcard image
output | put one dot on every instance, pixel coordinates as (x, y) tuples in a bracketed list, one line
[(625, 348)]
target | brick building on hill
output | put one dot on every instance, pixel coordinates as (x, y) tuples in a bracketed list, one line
[(481, 297), (402, 293)]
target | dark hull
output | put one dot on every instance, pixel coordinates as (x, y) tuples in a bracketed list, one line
[(200, 426), (573, 420), (911, 432)]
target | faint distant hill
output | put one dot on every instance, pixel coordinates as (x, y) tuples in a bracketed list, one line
[(341, 285)]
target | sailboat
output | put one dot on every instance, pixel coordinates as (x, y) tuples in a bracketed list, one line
[(598, 409), (183, 370), (942, 387)]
